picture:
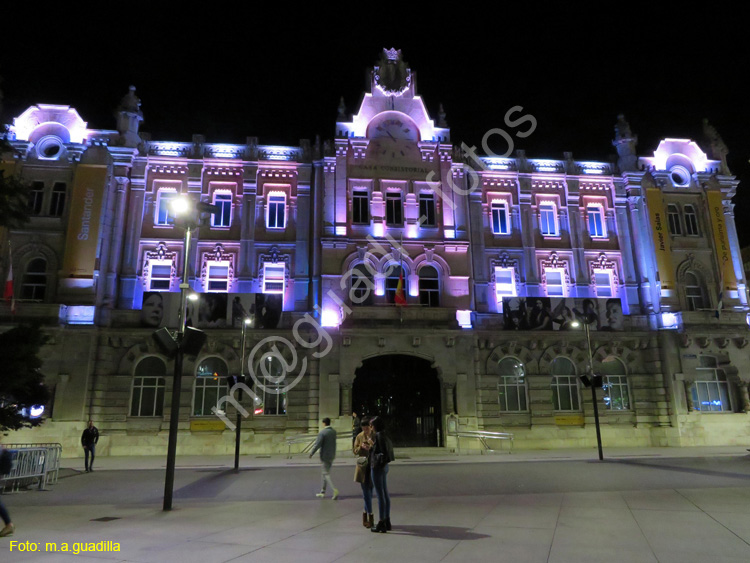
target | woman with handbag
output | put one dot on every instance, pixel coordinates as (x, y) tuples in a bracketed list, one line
[(362, 445), (381, 454)]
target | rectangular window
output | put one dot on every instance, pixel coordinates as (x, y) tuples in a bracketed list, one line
[(273, 278), (673, 217), (164, 214), (161, 276), (276, 218), (596, 221), (224, 217), (691, 221), (511, 393), (57, 204), (218, 276), (505, 284), (547, 220), (208, 390), (603, 281), (616, 392), (427, 209), (711, 389), (393, 209), (35, 198), (148, 396), (500, 219), (555, 283), (360, 207), (565, 393)]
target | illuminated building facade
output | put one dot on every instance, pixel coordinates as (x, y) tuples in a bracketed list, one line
[(495, 256)]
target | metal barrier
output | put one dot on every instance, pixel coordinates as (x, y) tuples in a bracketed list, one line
[(32, 463), (309, 441), (482, 436)]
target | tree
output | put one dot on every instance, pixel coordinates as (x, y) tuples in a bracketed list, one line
[(14, 194), (21, 383)]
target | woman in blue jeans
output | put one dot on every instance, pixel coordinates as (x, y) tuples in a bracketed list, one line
[(381, 455), (362, 474)]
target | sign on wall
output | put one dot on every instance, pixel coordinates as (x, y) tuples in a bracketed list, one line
[(83, 222), (545, 313), (721, 240), (662, 245), (212, 310)]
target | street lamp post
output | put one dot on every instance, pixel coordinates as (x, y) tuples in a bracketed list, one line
[(190, 213), (245, 324), (590, 380), (174, 415)]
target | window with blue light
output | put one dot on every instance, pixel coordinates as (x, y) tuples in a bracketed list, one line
[(547, 220), (360, 207), (710, 390), (161, 275), (224, 217), (554, 282), (276, 214), (164, 213), (394, 209), (427, 209), (596, 221), (500, 219), (603, 281), (218, 276)]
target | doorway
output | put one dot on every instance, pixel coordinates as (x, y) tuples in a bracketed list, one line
[(405, 391)]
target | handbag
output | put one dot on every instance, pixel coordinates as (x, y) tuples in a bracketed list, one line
[(363, 462)]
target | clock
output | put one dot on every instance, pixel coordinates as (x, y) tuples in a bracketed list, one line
[(393, 125)]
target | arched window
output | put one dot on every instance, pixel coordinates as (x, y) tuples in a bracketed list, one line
[(269, 388), (391, 282), (210, 385), (711, 389), (429, 287), (615, 384), (148, 387), (35, 280), (694, 293), (564, 385), (511, 390), (362, 286)]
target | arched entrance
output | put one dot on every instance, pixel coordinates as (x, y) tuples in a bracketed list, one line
[(405, 391)]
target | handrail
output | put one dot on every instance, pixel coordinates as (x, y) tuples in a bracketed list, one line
[(482, 436)]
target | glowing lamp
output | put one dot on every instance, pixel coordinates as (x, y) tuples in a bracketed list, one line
[(330, 318), (181, 205), (668, 320), (464, 318)]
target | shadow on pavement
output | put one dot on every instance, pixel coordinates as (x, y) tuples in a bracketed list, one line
[(655, 464), (438, 532)]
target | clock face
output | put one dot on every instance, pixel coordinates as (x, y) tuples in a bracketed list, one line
[(394, 149), (393, 125)]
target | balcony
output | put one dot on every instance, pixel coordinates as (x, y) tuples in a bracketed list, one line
[(409, 316)]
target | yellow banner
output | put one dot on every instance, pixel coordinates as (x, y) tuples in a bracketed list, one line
[(207, 426), (83, 221), (662, 244), (721, 239), (569, 419)]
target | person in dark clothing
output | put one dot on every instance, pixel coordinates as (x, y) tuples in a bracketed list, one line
[(381, 454), (326, 443), (8, 528), (89, 438)]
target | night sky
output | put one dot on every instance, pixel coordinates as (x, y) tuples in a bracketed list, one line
[(280, 76)]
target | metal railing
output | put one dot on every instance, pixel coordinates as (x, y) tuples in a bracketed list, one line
[(32, 464), (482, 436), (309, 441)]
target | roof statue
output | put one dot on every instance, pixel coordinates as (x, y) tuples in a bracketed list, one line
[(391, 75), (441, 117), (342, 110), (130, 103), (717, 148), (625, 143)]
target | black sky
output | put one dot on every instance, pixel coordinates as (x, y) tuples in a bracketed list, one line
[(233, 73)]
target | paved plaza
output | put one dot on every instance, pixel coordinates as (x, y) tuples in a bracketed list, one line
[(665, 505)]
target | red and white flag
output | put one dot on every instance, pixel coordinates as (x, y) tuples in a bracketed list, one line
[(8, 294)]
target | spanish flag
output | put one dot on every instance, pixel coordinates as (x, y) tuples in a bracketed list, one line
[(400, 298)]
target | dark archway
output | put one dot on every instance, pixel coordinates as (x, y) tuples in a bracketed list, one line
[(405, 391)]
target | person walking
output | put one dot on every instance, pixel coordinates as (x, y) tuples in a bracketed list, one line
[(89, 439), (326, 443), (362, 474), (6, 462), (381, 454)]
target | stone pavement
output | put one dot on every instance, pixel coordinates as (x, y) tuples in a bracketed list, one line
[(669, 525)]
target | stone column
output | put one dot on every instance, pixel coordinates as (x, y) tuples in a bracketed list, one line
[(689, 395), (346, 399), (448, 398)]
